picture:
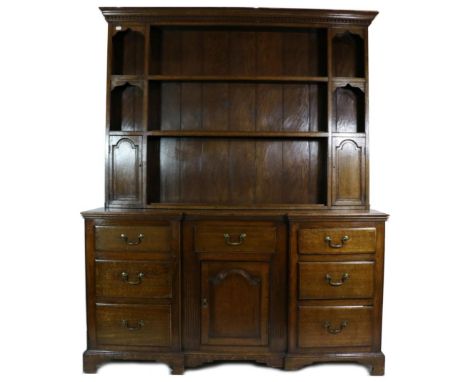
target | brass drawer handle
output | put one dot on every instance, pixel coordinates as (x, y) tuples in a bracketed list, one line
[(227, 239), (124, 276), (344, 239), (331, 330), (132, 242), (138, 326), (344, 277)]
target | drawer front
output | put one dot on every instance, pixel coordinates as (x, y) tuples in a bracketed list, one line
[(141, 279), (133, 325), (333, 280), (133, 238), (235, 238), (337, 240), (334, 326)]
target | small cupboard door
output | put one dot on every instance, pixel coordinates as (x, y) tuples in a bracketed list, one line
[(235, 303), (349, 171), (125, 171)]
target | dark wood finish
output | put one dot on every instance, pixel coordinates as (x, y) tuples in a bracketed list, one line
[(241, 238), (335, 280), (135, 238), (237, 223), (323, 327), (359, 240), (235, 303), (148, 325), (349, 172), (130, 278), (124, 172)]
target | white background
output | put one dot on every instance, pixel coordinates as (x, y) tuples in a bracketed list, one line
[(52, 114)]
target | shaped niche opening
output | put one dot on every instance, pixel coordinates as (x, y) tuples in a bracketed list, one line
[(128, 52), (126, 107), (349, 110), (348, 55)]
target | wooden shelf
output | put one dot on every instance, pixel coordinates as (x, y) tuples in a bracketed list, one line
[(239, 78), (126, 77), (237, 134), (351, 80)]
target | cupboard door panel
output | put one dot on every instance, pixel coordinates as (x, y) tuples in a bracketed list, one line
[(235, 303), (125, 171), (349, 171)]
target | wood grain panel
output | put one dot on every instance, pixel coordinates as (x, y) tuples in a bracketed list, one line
[(170, 106), (191, 187), (242, 53), (269, 53), (215, 106), (318, 115), (171, 52), (345, 280), (242, 106), (192, 53), (148, 325), (296, 53), (215, 52), (296, 172), (316, 325), (269, 159), (318, 171), (191, 106), (170, 177), (296, 107), (214, 177), (318, 52), (269, 107), (242, 172)]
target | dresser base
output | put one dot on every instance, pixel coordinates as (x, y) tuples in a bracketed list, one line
[(376, 361), (92, 359)]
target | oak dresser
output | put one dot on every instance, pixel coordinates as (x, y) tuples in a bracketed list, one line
[(237, 223)]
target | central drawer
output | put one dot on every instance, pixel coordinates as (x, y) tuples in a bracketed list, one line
[(235, 238)]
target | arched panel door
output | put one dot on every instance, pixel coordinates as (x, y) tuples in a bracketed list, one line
[(235, 303), (349, 172), (124, 172)]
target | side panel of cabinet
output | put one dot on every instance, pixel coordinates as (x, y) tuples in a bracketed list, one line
[(349, 172), (124, 172)]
